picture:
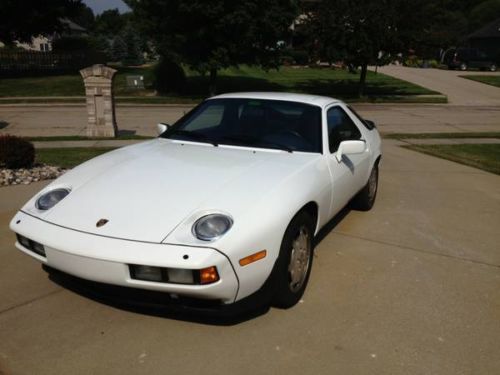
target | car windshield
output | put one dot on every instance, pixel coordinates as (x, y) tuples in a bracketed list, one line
[(285, 125)]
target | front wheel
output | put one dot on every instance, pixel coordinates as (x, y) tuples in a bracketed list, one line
[(463, 67), (294, 262), (366, 197), (493, 67)]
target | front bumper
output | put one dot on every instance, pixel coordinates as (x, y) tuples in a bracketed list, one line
[(106, 260)]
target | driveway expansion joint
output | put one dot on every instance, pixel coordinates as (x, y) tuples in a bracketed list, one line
[(404, 247), (31, 301)]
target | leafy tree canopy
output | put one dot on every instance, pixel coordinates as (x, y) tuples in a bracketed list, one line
[(483, 13), (212, 34), (22, 20), (357, 32), (110, 22)]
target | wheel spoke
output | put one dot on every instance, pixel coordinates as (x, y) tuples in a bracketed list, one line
[(299, 259)]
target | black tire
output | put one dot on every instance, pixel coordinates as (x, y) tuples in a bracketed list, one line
[(287, 291), (493, 67), (365, 199), (463, 67)]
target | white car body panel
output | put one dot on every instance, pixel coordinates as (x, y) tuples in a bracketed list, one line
[(153, 192)]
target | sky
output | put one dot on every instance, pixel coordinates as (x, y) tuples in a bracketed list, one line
[(98, 6)]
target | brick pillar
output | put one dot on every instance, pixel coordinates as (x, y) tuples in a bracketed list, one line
[(98, 80)]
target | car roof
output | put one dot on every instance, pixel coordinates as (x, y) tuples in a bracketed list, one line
[(317, 100)]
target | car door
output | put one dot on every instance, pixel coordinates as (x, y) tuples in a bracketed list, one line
[(350, 174)]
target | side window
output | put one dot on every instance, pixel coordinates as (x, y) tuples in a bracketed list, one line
[(340, 128), (210, 118)]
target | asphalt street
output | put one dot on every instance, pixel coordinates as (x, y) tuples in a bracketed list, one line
[(51, 120), (411, 287)]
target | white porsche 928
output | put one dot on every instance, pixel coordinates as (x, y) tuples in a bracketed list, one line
[(223, 206)]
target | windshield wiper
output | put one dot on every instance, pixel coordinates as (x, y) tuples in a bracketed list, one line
[(195, 135), (247, 140)]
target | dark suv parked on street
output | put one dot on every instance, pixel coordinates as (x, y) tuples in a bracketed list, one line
[(466, 58)]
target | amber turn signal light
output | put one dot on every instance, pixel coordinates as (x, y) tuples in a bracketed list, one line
[(209, 275), (253, 258)]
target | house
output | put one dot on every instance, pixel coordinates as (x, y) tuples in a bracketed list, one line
[(487, 39), (43, 43)]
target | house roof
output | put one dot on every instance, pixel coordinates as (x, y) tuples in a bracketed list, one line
[(491, 30), (71, 25)]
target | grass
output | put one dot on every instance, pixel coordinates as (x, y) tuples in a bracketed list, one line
[(322, 81), (488, 79), (68, 157), (441, 135), (482, 156)]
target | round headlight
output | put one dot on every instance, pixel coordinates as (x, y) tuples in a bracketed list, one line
[(50, 199), (211, 227)]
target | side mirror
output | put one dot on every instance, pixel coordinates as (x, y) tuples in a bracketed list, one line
[(350, 147), (369, 124), (162, 128)]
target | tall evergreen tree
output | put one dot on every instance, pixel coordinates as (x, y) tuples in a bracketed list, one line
[(118, 49)]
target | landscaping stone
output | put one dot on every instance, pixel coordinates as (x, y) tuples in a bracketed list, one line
[(24, 176)]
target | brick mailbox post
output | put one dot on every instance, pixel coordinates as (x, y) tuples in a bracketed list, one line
[(98, 80)]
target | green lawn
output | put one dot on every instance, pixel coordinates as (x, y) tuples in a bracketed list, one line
[(482, 156), (488, 79), (442, 135), (68, 157), (337, 83)]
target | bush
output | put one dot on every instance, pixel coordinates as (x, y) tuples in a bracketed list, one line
[(301, 57), (71, 43), (295, 56), (16, 152), (169, 77)]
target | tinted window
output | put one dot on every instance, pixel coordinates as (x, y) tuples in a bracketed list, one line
[(253, 122), (340, 128)]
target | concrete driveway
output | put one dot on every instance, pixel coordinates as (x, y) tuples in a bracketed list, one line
[(412, 287), (460, 91)]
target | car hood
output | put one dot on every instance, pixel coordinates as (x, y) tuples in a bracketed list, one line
[(145, 191)]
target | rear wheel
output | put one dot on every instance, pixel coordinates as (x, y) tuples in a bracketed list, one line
[(366, 197), (493, 67), (294, 262), (463, 66)]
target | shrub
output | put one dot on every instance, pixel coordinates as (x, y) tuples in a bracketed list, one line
[(169, 77), (71, 43), (16, 152), (295, 56), (301, 57)]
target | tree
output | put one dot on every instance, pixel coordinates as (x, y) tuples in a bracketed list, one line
[(109, 23), (133, 41), (118, 49), (22, 20), (358, 31), (84, 16), (483, 13), (209, 35)]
